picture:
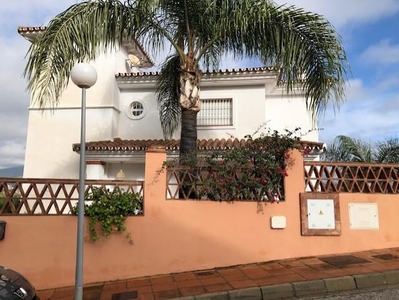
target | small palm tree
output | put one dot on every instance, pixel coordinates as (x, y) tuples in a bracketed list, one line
[(200, 33), (347, 149), (387, 151)]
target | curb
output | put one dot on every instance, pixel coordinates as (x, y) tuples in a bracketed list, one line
[(340, 284), (305, 288)]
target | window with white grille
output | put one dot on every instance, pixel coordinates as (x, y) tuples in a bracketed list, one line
[(216, 112), (136, 110)]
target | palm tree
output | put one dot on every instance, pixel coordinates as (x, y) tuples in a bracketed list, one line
[(387, 151), (347, 149), (199, 33)]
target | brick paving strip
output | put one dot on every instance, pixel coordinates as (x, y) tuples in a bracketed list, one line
[(266, 280)]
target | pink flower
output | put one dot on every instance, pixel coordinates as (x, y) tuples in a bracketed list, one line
[(306, 151), (282, 171)]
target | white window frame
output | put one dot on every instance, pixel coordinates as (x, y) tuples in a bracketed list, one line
[(129, 113), (214, 124)]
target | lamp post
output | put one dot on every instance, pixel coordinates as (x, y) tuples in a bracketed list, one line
[(84, 76)]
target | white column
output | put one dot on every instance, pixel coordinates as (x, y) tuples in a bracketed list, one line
[(95, 169)]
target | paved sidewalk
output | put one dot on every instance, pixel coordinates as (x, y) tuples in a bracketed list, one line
[(281, 279)]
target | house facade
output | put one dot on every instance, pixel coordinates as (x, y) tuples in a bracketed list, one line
[(123, 120)]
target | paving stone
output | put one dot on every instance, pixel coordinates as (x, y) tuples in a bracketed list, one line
[(92, 293), (167, 294), (277, 291), (343, 260), (391, 277), (369, 280), (124, 296), (193, 290), (214, 288), (338, 284), (311, 287), (249, 293), (213, 296)]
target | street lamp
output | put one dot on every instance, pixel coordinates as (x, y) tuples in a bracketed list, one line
[(84, 76)]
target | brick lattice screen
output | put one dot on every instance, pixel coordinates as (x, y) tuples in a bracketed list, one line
[(351, 177), (51, 196)]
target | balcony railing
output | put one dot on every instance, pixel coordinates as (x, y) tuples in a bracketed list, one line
[(351, 177), (20, 196)]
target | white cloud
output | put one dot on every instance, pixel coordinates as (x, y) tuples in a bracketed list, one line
[(31, 13), (382, 53), (391, 81), (355, 90), (363, 123), (14, 99), (344, 12), (368, 114), (12, 153)]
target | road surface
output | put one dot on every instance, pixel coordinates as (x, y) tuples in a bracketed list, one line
[(382, 293)]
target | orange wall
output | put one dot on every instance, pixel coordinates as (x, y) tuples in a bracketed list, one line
[(175, 235)]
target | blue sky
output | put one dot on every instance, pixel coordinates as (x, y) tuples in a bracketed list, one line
[(368, 29)]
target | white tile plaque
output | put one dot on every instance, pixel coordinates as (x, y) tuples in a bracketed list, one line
[(321, 214), (278, 222), (363, 216)]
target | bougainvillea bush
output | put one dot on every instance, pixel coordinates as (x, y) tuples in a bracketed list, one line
[(254, 172)]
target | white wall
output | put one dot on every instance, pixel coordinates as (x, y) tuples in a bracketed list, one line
[(252, 107), (51, 135), (149, 126), (248, 111), (50, 138), (289, 112)]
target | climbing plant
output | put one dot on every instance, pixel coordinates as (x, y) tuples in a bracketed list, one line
[(107, 210)]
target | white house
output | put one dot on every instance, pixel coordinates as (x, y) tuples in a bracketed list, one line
[(122, 116)]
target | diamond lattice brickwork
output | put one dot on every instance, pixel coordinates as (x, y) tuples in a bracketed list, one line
[(51, 196), (351, 177)]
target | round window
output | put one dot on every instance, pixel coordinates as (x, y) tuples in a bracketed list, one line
[(136, 110)]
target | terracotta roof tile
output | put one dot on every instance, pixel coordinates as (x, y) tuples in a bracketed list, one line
[(205, 74), (119, 145), (32, 29)]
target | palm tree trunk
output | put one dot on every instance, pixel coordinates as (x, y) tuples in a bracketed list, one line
[(190, 105), (188, 152), (188, 137)]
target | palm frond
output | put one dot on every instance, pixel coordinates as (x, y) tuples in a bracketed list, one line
[(168, 95), (347, 149), (299, 42), (359, 150), (72, 36), (337, 151), (387, 151)]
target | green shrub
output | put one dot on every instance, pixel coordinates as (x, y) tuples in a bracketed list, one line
[(254, 172), (110, 209), (16, 200)]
